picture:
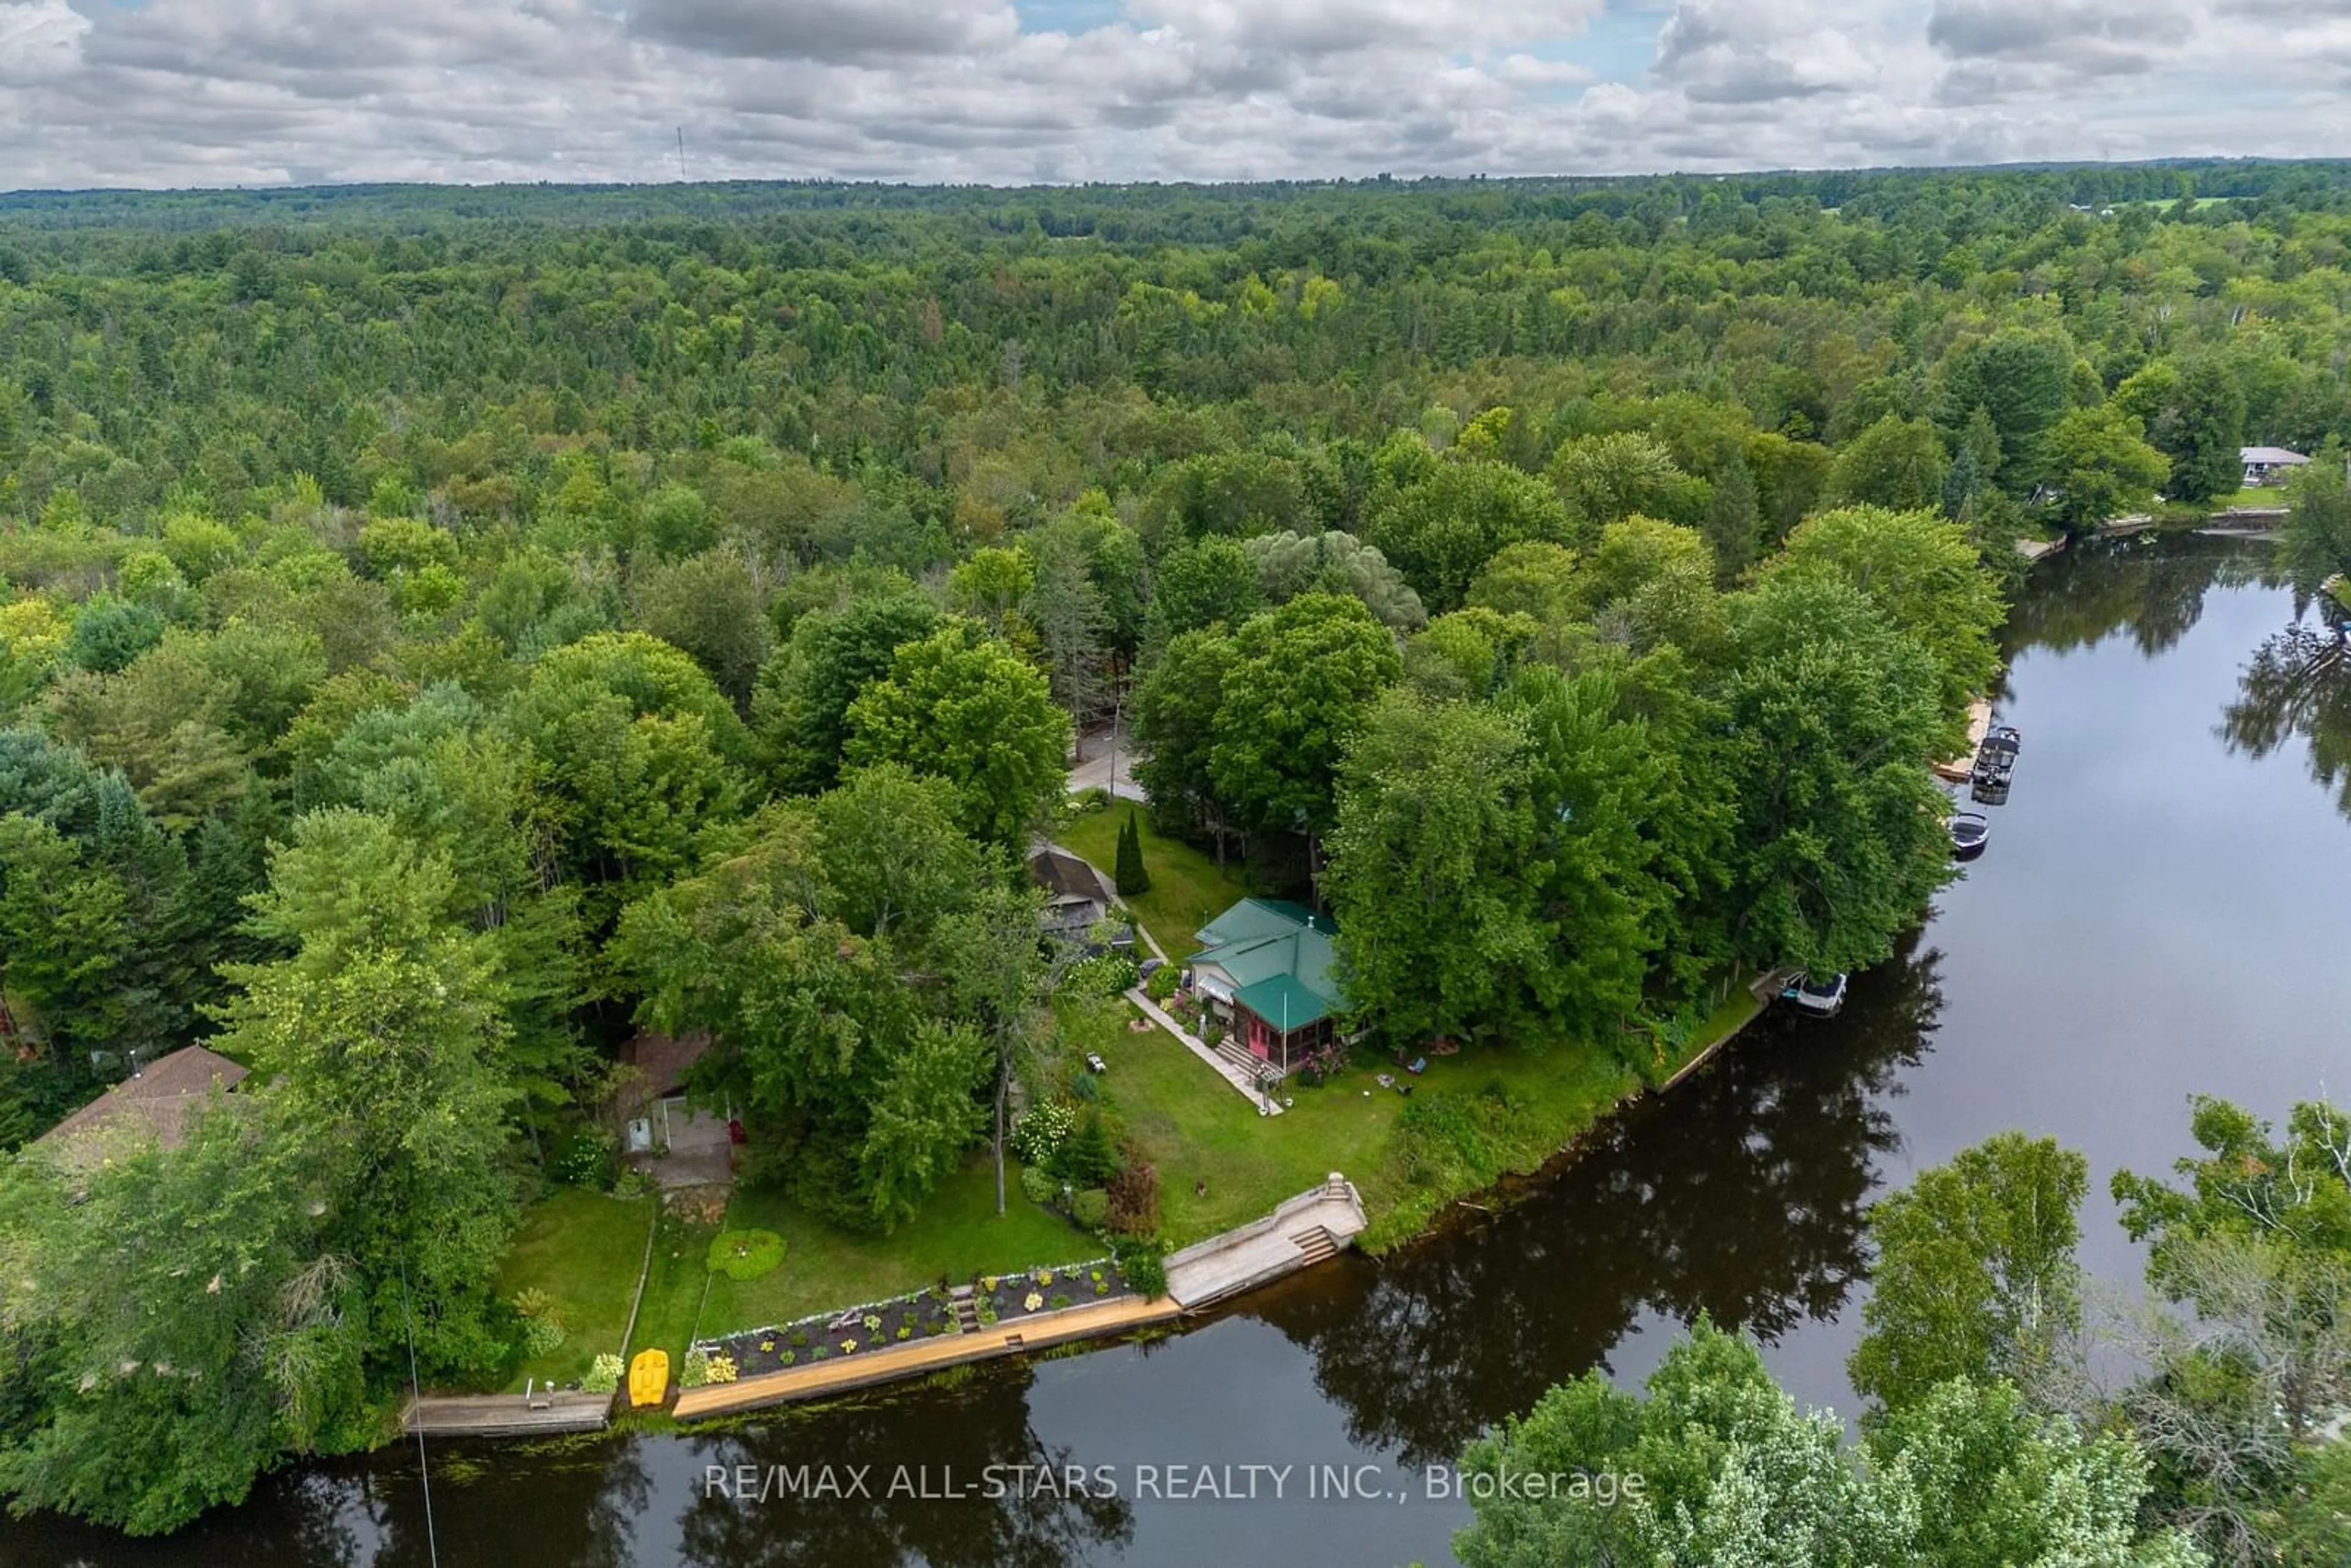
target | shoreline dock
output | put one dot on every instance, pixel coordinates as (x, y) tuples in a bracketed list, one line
[(505, 1414), (1955, 770), (1301, 1232)]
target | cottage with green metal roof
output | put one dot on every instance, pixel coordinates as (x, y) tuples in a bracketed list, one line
[(1268, 969)]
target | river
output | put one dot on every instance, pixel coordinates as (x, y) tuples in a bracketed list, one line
[(2163, 910)]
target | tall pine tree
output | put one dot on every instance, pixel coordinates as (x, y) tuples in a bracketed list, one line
[(1133, 877)]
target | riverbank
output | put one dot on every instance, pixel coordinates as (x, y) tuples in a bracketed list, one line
[(1301, 1232), (1739, 1193), (1220, 1165), (1485, 1115)]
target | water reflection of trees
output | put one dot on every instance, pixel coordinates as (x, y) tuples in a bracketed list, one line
[(2298, 686), (1739, 1195), (962, 1430), (2153, 586)]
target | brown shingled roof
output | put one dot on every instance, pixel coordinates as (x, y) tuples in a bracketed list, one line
[(663, 1058), (1065, 876), (158, 1095)]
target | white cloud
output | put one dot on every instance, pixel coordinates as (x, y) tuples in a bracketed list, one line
[(256, 91)]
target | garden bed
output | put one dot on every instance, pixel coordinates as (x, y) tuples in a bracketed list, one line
[(987, 1301)]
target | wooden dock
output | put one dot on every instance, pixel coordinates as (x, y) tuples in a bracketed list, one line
[(1958, 768), (505, 1414)]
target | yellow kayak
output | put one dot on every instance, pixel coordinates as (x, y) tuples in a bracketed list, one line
[(649, 1377)]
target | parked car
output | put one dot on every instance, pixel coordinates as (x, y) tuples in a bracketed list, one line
[(1822, 999)]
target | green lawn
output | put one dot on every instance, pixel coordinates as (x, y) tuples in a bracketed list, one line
[(2256, 498), (584, 1248), (1197, 1132), (957, 1234), (1187, 891), (675, 1287), (1220, 1165)]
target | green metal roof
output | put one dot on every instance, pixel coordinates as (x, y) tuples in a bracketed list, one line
[(1261, 940), (1253, 918), (1282, 1002)]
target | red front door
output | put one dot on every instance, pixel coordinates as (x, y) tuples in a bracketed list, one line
[(1260, 1038)]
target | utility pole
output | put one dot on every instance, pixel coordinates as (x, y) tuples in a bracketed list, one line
[(1117, 717)]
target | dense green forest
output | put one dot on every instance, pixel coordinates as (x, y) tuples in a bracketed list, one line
[(443, 631)]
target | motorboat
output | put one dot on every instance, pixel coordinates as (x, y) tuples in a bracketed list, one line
[(1822, 999), (1995, 766), (1970, 831)]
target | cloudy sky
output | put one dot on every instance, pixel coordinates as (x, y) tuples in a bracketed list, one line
[(219, 92)]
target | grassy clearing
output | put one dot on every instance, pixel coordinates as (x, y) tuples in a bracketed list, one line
[(584, 1248), (1187, 891), (674, 1286), (1220, 1165), (958, 1234), (1200, 1133), (2253, 497)]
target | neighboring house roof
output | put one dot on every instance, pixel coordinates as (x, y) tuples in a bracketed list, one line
[(1066, 878), (1275, 951), (663, 1060), (156, 1098), (2273, 456)]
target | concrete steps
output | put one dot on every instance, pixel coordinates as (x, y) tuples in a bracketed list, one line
[(1314, 1245)]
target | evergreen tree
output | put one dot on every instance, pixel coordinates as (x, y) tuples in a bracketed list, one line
[(1133, 878), (1732, 519)]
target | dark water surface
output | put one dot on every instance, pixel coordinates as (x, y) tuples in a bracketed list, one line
[(2164, 908)]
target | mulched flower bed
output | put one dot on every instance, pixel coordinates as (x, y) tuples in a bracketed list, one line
[(995, 1300)]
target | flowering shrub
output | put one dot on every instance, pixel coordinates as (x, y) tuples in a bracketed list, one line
[(603, 1374), (721, 1369), (543, 1335), (1042, 1131), (1033, 1301), (1104, 974), (874, 1323), (585, 1158), (848, 1347)]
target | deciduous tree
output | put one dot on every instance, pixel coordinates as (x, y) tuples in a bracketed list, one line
[(960, 707)]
